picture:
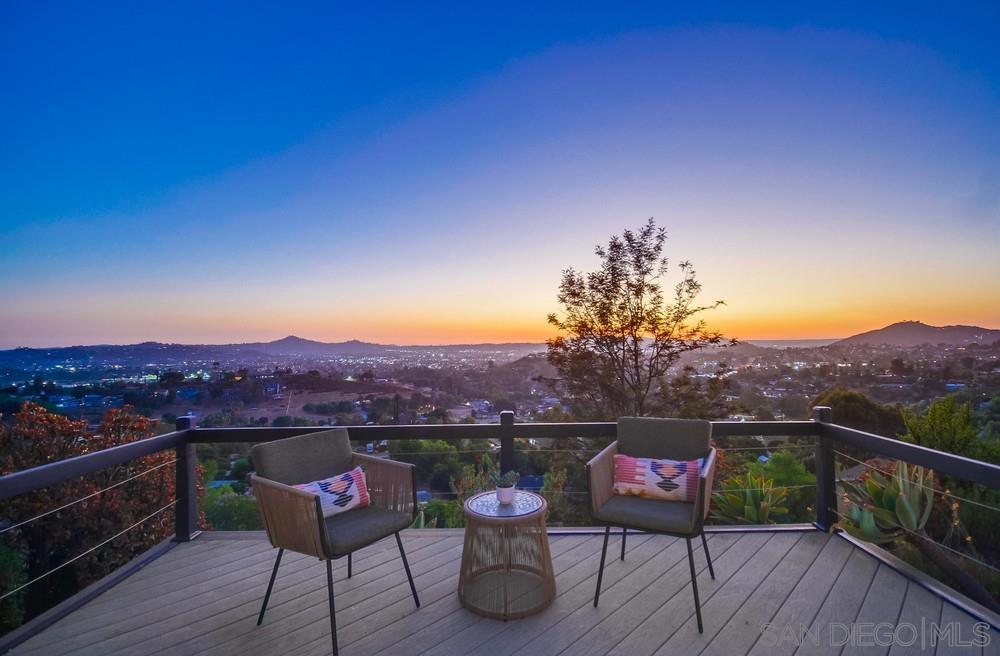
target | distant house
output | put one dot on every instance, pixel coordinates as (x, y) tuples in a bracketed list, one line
[(481, 406), (857, 471)]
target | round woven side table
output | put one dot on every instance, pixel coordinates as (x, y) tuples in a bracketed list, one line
[(506, 565)]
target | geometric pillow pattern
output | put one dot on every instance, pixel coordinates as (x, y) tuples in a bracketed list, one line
[(340, 493), (670, 480)]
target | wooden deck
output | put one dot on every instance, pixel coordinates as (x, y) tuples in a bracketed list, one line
[(202, 598)]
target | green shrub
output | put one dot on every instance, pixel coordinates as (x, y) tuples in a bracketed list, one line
[(444, 514), (227, 511), (13, 573), (786, 470)]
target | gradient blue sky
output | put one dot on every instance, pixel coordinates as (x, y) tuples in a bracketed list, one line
[(244, 171)]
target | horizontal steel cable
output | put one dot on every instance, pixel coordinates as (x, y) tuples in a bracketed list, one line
[(88, 551), (921, 485), (928, 538), (89, 496)]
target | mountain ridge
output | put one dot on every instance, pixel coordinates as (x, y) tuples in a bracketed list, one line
[(901, 333), (290, 345), (917, 333)]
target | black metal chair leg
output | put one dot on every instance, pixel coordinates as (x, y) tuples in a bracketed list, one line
[(270, 585), (333, 610), (708, 556), (694, 586), (406, 566), (624, 531), (349, 565), (600, 570)]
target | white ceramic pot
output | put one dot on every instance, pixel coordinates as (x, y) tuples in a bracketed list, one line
[(505, 495)]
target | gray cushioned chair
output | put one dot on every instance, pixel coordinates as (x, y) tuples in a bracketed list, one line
[(646, 437), (294, 518)]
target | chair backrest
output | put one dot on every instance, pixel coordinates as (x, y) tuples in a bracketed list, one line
[(304, 458), (674, 439)]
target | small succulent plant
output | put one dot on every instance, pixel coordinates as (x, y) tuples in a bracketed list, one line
[(506, 479)]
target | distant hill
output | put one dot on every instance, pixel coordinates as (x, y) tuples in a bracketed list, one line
[(790, 343), (291, 346), (915, 333), (529, 367)]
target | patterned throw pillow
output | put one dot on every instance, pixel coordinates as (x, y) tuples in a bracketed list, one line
[(340, 493), (670, 480)]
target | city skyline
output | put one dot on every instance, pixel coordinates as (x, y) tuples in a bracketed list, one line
[(424, 178)]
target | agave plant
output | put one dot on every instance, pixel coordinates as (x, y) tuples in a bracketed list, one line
[(749, 499), (883, 508)]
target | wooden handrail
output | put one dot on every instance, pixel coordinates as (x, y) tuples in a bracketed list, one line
[(942, 462), (52, 473)]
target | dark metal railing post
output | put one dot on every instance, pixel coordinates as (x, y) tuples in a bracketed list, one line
[(826, 484), (506, 441), (186, 508)]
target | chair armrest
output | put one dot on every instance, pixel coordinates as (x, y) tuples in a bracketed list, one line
[(601, 474), (292, 517), (391, 484), (705, 479)]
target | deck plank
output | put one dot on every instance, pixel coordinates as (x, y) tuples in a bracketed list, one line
[(616, 594), (189, 616), (802, 604), (577, 592), (741, 631), (429, 636), (959, 643), (724, 602), (674, 610), (362, 610), (919, 606), (646, 546), (841, 606), (484, 631), (202, 598), (881, 606), (628, 603)]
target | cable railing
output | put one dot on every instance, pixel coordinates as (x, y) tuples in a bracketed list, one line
[(15, 527), (952, 550), (942, 493), (98, 493), (183, 442), (89, 551)]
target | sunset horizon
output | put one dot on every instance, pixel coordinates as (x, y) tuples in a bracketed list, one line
[(470, 338)]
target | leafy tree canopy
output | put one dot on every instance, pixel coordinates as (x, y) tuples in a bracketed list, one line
[(620, 332), (948, 425), (855, 410)]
